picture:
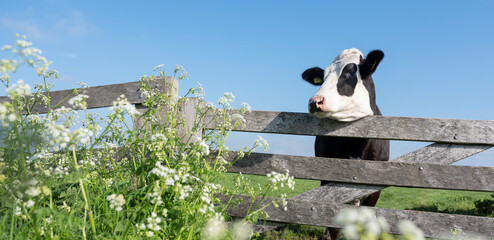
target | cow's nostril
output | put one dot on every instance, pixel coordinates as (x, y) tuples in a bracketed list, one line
[(315, 104), (319, 101)]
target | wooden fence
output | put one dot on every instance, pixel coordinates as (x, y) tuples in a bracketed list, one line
[(427, 167)]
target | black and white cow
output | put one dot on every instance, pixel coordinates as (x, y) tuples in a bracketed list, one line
[(347, 93)]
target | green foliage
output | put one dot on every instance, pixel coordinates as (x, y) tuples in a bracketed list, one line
[(485, 206), (99, 178)]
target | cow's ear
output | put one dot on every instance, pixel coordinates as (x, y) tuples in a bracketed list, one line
[(369, 65), (314, 75)]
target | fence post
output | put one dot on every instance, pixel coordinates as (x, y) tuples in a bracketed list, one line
[(189, 109), (171, 90)]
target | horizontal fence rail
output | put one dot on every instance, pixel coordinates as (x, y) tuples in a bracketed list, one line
[(101, 96), (453, 140), (418, 175), (377, 127), (319, 213)]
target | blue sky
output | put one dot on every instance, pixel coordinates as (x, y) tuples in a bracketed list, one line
[(438, 53)]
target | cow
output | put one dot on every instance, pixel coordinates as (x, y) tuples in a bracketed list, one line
[(347, 93)]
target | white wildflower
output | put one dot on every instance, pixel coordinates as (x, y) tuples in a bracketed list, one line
[(79, 101), (29, 203), (356, 222), (215, 227), (19, 89), (246, 107), (83, 85), (227, 99), (6, 48), (410, 230), (17, 211), (242, 230), (184, 192), (153, 222), (32, 191), (203, 146), (155, 196), (158, 67), (261, 142), (120, 106), (116, 202), (170, 175), (281, 179)]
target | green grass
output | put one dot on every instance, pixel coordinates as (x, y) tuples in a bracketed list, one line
[(445, 201)]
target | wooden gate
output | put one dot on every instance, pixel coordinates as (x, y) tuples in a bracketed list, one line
[(428, 167)]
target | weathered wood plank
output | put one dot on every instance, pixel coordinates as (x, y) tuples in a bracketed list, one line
[(378, 127), (322, 214), (435, 153), (441, 153), (336, 193), (369, 172), (189, 111), (101, 96)]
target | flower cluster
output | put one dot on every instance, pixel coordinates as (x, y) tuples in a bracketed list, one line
[(261, 142), (18, 90), (410, 230), (215, 227), (157, 142), (79, 101), (227, 99), (364, 224), (7, 113), (245, 108), (116, 202), (281, 179), (152, 224), (120, 106), (203, 146), (27, 53), (207, 194), (155, 196)]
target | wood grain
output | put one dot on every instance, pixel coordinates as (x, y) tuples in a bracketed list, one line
[(319, 213), (101, 96), (377, 127), (421, 175)]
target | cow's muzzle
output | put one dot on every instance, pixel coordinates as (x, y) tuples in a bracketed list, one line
[(315, 104)]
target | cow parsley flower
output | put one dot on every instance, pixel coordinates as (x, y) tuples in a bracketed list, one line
[(358, 222), (120, 106), (6, 47), (116, 202), (215, 227), (204, 147), (281, 179), (79, 101), (246, 107), (227, 99), (19, 89), (410, 230), (261, 142), (29, 203), (153, 223), (32, 191), (169, 174)]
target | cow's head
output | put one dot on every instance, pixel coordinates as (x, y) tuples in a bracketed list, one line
[(347, 89)]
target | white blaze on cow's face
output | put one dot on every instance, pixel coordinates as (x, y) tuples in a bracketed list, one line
[(347, 91)]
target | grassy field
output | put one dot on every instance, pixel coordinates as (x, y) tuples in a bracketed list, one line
[(445, 201)]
